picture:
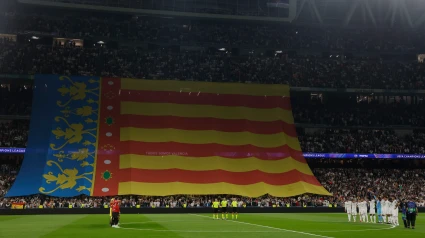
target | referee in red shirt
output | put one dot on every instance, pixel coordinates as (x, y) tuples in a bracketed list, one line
[(115, 206)]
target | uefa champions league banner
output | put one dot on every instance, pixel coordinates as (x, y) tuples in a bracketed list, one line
[(306, 155), (12, 150), (365, 156)]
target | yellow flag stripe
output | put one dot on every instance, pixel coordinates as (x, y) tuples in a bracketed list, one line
[(206, 111), (206, 87), (253, 190), (211, 163), (209, 137)]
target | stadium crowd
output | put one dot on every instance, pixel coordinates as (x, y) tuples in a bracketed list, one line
[(8, 172), (14, 133), (369, 114), (15, 100), (165, 202), (343, 183), (204, 66), (362, 141)]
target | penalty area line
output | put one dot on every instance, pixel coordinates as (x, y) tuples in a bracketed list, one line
[(269, 227)]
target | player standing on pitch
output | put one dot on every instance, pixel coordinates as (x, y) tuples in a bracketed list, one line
[(372, 210), (115, 206), (394, 219), (354, 209), (379, 209), (389, 209), (360, 206), (364, 210), (348, 209), (384, 209)]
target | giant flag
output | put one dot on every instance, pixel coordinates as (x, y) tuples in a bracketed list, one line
[(60, 156), (161, 138)]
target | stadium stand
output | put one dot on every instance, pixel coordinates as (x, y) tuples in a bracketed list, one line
[(342, 182), (217, 67), (340, 126), (363, 141)]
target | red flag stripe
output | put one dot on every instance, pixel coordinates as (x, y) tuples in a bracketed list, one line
[(263, 102), (107, 159), (214, 176), (225, 125), (204, 150)]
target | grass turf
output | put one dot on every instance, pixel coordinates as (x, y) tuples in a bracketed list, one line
[(200, 225)]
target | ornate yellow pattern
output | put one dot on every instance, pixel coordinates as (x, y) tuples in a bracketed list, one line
[(66, 179), (73, 133), (76, 91), (71, 166), (108, 147), (80, 155)]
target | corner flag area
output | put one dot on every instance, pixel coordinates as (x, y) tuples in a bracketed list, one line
[(200, 225)]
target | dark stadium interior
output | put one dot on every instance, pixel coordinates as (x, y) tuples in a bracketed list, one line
[(357, 83)]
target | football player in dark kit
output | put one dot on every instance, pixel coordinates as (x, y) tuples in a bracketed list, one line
[(115, 205), (412, 212)]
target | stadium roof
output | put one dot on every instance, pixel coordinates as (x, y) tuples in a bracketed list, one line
[(366, 13)]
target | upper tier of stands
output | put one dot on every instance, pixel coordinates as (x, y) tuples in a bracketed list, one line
[(206, 66)]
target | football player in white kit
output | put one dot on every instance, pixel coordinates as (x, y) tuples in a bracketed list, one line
[(384, 209), (389, 211), (354, 209), (360, 206), (363, 212), (395, 212), (348, 209), (372, 210)]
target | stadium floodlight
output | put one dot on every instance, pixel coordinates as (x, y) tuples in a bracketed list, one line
[(278, 52), (101, 42), (35, 37), (222, 49)]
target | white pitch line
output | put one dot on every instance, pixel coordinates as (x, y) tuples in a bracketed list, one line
[(269, 227), (189, 231), (186, 231)]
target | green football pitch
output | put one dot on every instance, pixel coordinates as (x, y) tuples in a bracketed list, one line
[(200, 225)]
